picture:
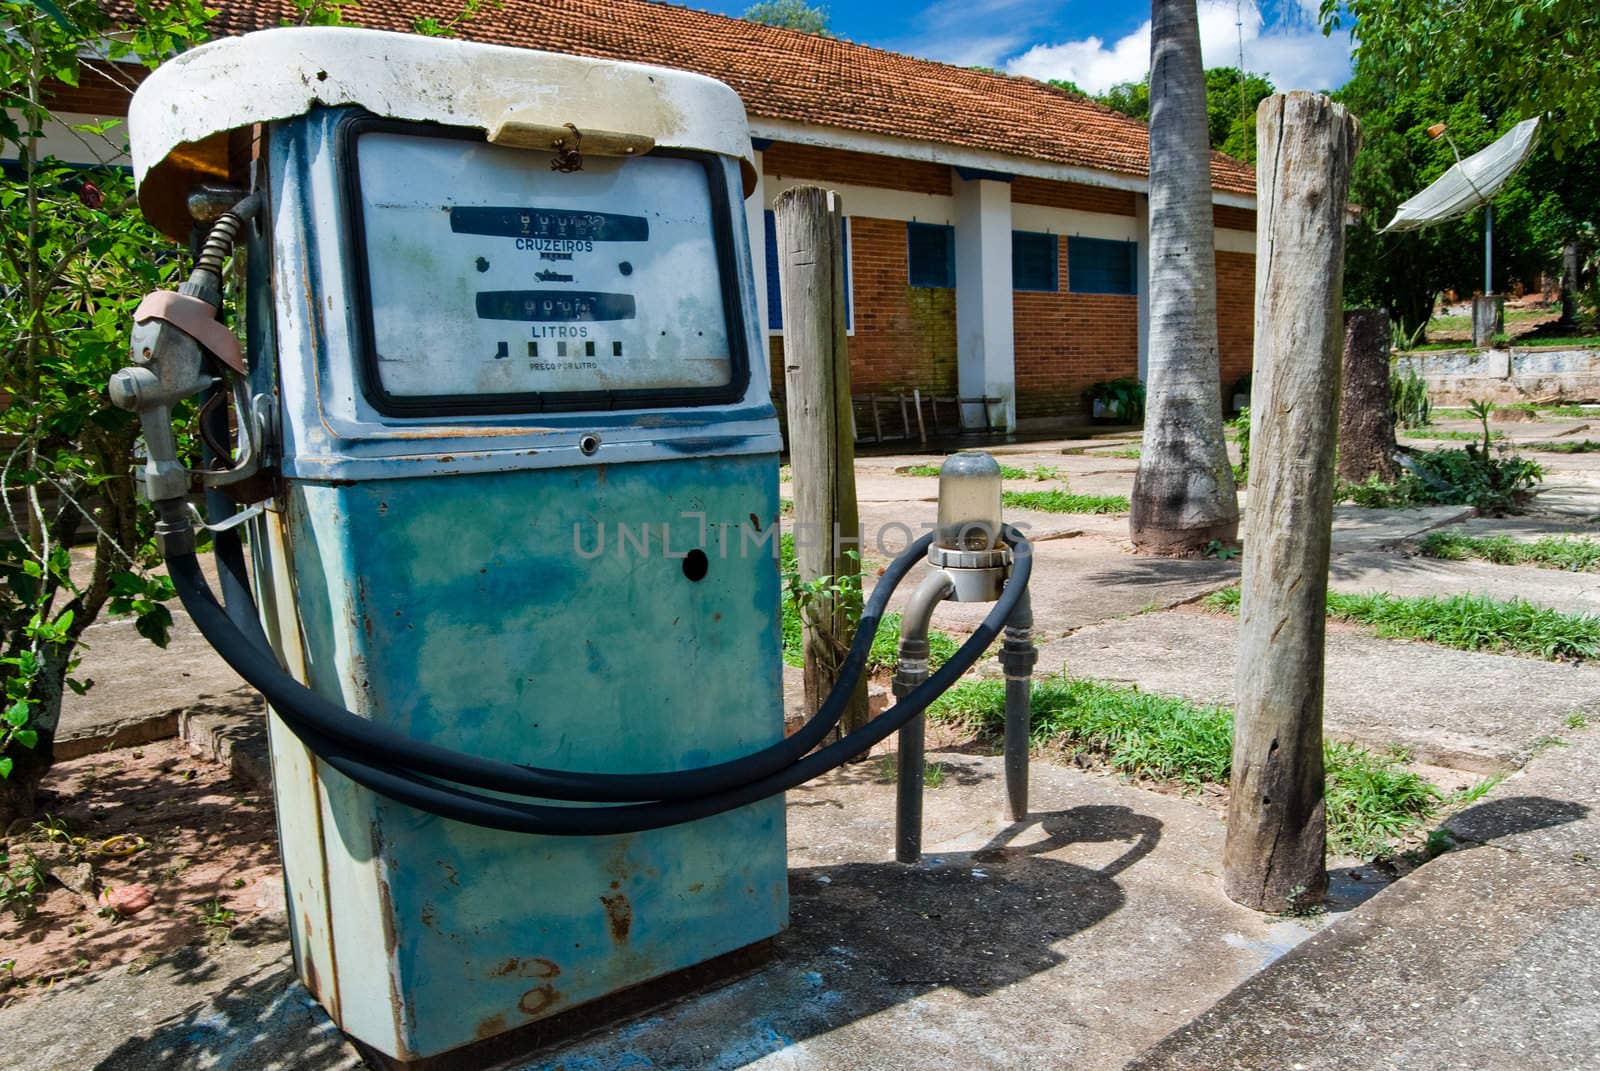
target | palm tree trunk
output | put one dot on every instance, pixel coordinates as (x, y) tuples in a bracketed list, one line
[(1183, 497)]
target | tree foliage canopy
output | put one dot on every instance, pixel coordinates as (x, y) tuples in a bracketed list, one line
[(1231, 100), (1414, 68), (789, 15), (1528, 57)]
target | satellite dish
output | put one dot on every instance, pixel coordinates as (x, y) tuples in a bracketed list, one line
[(1470, 182)]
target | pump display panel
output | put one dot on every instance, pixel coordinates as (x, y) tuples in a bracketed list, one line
[(494, 282)]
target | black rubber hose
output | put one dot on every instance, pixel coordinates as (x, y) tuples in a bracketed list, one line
[(298, 704), (518, 817)]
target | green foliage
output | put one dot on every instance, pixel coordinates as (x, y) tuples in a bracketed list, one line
[(789, 15), (1475, 477), (432, 26), (1536, 57), (1231, 100), (1371, 799), (1465, 622), (886, 646), (1420, 63), (21, 879), (1549, 552), (1241, 435), (1452, 435), (1571, 446), (1123, 398), (1007, 472), (1408, 394), (1064, 502), (76, 260)]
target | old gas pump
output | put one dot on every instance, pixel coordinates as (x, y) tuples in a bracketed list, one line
[(503, 435)]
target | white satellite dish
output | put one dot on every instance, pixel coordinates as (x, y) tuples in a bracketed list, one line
[(1470, 182)]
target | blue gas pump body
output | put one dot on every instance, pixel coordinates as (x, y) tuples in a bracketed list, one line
[(537, 525)]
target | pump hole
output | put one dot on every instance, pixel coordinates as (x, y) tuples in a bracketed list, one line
[(696, 564), (589, 444)]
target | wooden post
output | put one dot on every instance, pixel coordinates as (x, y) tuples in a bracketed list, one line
[(1366, 411), (1277, 829), (821, 444)]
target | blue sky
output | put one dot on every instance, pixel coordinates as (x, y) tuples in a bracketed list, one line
[(1096, 43)]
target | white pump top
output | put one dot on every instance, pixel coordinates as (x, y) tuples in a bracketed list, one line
[(181, 118)]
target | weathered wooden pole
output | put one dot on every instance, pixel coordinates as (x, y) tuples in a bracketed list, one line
[(1366, 410), (816, 372), (1277, 829)]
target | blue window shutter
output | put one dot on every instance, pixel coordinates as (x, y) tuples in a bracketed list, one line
[(844, 244), (1100, 266), (774, 292), (931, 254), (1034, 261)]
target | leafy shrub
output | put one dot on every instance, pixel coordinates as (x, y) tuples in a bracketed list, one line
[(1124, 398), (1409, 395), (1241, 427)]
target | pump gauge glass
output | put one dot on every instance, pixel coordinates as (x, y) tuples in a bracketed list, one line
[(497, 282)]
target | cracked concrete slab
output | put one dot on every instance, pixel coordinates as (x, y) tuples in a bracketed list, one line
[(1397, 574), (1462, 709)]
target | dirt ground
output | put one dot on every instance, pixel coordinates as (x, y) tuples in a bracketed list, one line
[(156, 816)]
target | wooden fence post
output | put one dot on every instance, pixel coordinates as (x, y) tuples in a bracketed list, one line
[(1274, 858), (809, 223), (1366, 411)]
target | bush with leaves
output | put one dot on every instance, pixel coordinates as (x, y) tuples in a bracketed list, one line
[(76, 259)]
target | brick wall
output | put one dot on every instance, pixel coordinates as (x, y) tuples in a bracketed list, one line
[(1066, 341), (905, 336), (1234, 219), (1035, 191), (855, 168), (1236, 327)]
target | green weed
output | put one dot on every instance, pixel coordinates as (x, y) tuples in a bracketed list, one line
[(1582, 446), (1458, 436), (1465, 622), (1064, 502), (1371, 799), (1574, 554)]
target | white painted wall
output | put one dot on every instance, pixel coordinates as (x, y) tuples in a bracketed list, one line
[(985, 333), (76, 147)]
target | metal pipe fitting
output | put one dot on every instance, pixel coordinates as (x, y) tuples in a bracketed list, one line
[(1018, 656), (911, 669)]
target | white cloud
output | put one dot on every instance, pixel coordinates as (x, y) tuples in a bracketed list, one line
[(1292, 56)]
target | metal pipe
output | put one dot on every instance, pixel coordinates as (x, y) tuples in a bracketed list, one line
[(1488, 249), (1018, 656), (912, 670)]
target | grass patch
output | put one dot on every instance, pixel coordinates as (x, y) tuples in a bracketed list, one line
[(1580, 446), (1131, 453), (1465, 622), (1454, 436), (1371, 798), (1549, 409), (885, 642), (1573, 554), (1064, 502), (1007, 472)]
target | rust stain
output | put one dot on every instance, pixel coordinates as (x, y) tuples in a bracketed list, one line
[(313, 982), (529, 967), (539, 999), (619, 916), (495, 1024), (450, 874), (386, 917), (697, 886)]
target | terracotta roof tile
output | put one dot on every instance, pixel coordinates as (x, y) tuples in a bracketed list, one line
[(788, 75)]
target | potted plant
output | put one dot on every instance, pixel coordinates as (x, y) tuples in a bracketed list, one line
[(1241, 393), (1116, 401)]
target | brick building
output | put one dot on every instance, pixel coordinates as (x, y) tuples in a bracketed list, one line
[(996, 227)]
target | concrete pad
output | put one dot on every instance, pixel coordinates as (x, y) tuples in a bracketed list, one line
[(1565, 496), (1573, 593), (1355, 528), (1049, 946), (139, 687), (1551, 809), (1524, 529), (1469, 711), (1480, 959), (231, 1007)]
